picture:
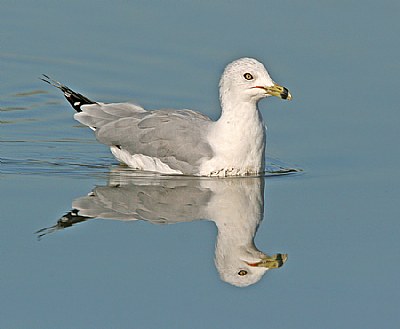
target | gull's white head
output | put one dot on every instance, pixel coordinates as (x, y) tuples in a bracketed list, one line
[(247, 80)]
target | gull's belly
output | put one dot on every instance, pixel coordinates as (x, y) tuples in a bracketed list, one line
[(143, 162)]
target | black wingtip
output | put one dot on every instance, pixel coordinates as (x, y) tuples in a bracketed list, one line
[(51, 82), (75, 99)]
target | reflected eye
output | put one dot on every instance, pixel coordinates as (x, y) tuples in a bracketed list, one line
[(242, 272), (248, 76)]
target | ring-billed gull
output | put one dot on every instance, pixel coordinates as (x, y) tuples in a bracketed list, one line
[(185, 141)]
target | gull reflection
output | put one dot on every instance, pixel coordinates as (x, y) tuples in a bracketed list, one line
[(236, 205)]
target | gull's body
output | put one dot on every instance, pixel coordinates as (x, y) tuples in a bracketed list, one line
[(184, 141)]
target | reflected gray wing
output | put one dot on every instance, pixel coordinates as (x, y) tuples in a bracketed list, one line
[(155, 203), (176, 137)]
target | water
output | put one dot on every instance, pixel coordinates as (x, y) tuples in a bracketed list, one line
[(337, 220)]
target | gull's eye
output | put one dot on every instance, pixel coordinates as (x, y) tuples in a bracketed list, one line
[(248, 76), (242, 272)]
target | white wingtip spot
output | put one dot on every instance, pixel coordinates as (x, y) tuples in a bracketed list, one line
[(77, 103)]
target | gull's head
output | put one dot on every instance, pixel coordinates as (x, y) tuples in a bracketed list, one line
[(247, 80)]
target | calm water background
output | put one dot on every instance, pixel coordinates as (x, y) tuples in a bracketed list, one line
[(338, 221)]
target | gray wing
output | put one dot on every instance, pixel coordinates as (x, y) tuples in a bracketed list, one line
[(176, 137)]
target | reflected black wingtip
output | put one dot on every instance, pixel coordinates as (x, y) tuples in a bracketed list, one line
[(69, 219)]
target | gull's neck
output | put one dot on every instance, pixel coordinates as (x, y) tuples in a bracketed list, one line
[(238, 112), (237, 138), (231, 101)]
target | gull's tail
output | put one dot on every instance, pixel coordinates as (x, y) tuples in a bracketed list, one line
[(75, 99)]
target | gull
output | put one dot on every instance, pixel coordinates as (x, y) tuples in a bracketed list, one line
[(186, 142)]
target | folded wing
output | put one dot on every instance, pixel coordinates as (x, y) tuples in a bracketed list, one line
[(176, 137)]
